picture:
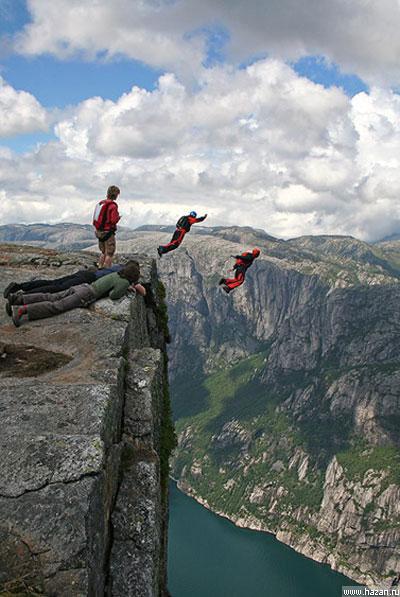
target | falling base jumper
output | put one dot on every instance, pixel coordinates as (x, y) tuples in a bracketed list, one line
[(243, 262), (183, 226)]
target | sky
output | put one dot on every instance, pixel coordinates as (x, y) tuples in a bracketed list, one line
[(277, 114)]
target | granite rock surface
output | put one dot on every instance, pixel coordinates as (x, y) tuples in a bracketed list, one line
[(64, 475)]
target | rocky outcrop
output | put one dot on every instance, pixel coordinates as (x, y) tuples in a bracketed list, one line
[(85, 442)]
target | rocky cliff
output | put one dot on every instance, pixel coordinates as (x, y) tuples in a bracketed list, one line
[(286, 393), (85, 440)]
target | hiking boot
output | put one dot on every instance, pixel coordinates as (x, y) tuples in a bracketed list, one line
[(159, 251), (227, 290), (10, 288), (15, 298), (222, 281), (19, 315)]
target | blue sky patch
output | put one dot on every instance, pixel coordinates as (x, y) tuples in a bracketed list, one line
[(318, 70), (217, 39), (26, 143), (57, 83), (14, 15)]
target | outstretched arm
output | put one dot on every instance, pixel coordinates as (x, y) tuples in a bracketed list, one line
[(200, 219), (246, 257), (117, 293)]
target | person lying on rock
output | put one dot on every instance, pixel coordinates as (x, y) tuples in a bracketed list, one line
[(183, 226), (41, 305), (242, 264), (84, 276)]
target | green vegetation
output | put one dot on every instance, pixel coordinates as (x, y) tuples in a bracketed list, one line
[(220, 390), (301, 528), (307, 493), (235, 460), (189, 396), (240, 443), (360, 458)]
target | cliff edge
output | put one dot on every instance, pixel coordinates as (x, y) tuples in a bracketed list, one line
[(85, 442)]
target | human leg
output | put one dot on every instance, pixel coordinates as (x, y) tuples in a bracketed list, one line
[(51, 286), (109, 250), (41, 297), (102, 248), (175, 241), (54, 304), (232, 283), (30, 285), (36, 285)]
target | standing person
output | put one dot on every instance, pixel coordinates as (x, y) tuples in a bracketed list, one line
[(243, 262), (42, 305), (105, 220), (183, 226)]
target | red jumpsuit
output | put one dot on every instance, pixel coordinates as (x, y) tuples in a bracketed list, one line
[(179, 235), (243, 262)]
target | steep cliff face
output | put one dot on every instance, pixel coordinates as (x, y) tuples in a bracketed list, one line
[(85, 442), (294, 284), (286, 392)]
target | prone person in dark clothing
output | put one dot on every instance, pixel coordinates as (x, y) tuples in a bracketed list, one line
[(242, 264), (183, 226), (396, 581), (84, 276), (29, 307)]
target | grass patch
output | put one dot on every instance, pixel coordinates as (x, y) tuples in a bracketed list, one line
[(189, 394), (218, 392), (361, 458)]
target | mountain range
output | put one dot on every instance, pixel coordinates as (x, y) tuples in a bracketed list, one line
[(286, 392)]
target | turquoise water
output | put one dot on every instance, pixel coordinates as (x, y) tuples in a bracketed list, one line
[(210, 557)]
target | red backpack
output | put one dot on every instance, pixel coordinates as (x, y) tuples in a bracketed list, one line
[(100, 214)]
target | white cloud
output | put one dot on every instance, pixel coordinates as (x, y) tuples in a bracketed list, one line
[(20, 112), (362, 37), (259, 146), (141, 30)]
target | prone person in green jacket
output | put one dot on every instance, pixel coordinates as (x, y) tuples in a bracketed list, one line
[(28, 307)]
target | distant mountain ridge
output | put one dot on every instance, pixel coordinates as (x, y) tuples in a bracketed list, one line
[(391, 237), (64, 236), (80, 236)]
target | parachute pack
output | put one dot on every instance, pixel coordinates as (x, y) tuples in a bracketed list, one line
[(183, 222)]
